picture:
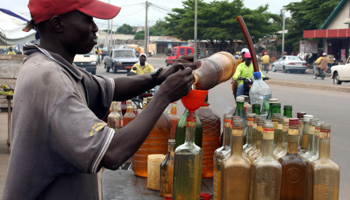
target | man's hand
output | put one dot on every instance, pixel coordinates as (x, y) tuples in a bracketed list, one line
[(177, 85), (240, 78), (181, 63)]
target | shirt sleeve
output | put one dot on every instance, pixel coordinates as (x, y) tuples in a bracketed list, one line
[(237, 72)]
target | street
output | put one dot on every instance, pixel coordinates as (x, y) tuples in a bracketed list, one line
[(326, 105)]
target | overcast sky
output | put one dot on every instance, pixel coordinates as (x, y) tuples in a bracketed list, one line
[(133, 11)]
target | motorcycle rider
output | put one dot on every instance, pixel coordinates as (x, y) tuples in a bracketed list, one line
[(244, 70), (265, 62), (321, 64), (142, 67)]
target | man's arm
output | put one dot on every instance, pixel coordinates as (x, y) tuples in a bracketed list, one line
[(237, 73), (128, 139)]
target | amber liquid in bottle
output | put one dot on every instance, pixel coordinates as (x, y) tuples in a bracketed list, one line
[(114, 119), (167, 170), (293, 167), (236, 170), (250, 123), (267, 171), (220, 155), (279, 134), (326, 172), (259, 131), (254, 133), (174, 118), (188, 165), (129, 115)]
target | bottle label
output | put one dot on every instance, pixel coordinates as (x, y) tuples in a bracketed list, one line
[(292, 131), (250, 123), (227, 124), (317, 132), (255, 126), (121, 123), (325, 134), (312, 130), (259, 128), (275, 123), (190, 123), (285, 127), (280, 126), (268, 134), (237, 132)]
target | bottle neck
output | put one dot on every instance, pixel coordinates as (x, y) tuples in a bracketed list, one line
[(310, 143), (227, 137), (276, 110), (258, 143), (284, 140), (279, 138), (253, 137), (240, 107), (190, 127), (292, 147), (267, 148), (256, 111), (171, 148), (173, 110), (288, 113), (237, 142), (324, 150)]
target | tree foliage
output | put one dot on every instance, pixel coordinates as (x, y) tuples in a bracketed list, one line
[(158, 29), (139, 35), (125, 29)]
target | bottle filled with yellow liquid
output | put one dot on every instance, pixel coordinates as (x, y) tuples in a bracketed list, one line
[(114, 118), (167, 170), (188, 165), (236, 170)]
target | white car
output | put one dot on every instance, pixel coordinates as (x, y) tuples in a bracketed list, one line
[(289, 64), (341, 73)]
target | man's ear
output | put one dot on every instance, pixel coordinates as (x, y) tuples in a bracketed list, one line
[(56, 22)]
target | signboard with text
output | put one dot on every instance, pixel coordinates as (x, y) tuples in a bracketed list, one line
[(308, 47)]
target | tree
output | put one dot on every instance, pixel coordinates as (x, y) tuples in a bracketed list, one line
[(125, 29), (158, 29), (139, 35), (307, 15)]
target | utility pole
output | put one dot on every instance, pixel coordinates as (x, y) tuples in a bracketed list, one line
[(112, 41), (108, 32), (195, 30), (284, 19), (146, 29)]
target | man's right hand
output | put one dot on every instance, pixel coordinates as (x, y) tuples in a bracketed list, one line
[(177, 85)]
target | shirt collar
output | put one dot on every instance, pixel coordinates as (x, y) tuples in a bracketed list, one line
[(29, 49)]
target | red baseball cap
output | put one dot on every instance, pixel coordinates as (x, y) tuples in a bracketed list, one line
[(42, 10)]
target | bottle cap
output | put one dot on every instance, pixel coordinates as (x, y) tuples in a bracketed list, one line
[(293, 121), (246, 98), (307, 118), (256, 105), (287, 107), (240, 99), (257, 75), (251, 115), (301, 114), (228, 116), (205, 196), (168, 197), (273, 100), (171, 141)]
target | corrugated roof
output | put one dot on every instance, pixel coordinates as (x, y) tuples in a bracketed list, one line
[(334, 14)]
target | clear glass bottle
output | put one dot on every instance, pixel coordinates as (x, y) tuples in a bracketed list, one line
[(326, 172), (293, 167), (250, 122), (317, 142), (268, 171), (129, 115), (254, 130), (241, 112), (288, 111), (119, 110), (135, 110), (300, 116), (220, 155), (305, 134), (236, 170), (181, 130), (284, 138), (188, 164), (259, 131), (113, 119), (275, 118), (278, 133), (174, 118), (167, 170), (311, 140), (269, 113)]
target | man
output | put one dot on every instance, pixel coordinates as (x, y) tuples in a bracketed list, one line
[(11, 52), (98, 52), (142, 67), (321, 64), (58, 140), (265, 61), (244, 70), (137, 50)]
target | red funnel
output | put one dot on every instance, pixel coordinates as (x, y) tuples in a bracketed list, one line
[(194, 99)]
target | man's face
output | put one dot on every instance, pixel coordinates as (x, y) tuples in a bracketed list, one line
[(79, 32), (248, 61), (142, 59)]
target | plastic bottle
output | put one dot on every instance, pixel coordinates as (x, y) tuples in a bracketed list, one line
[(260, 93), (211, 124), (214, 70)]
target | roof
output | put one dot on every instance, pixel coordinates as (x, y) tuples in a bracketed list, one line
[(334, 13)]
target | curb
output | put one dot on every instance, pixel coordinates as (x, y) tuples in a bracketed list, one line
[(333, 88)]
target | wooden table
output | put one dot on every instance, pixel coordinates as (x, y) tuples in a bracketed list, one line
[(9, 97), (125, 185)]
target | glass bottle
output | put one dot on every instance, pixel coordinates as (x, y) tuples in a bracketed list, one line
[(278, 133), (113, 119), (250, 122), (123, 107), (167, 170), (119, 110), (300, 116), (188, 164), (241, 112), (247, 107), (181, 130), (268, 171), (259, 131), (293, 167), (275, 118), (174, 118), (269, 113), (284, 137), (326, 172), (288, 111), (311, 140), (276, 108), (316, 144), (129, 115), (220, 155), (236, 170), (135, 110), (256, 109), (144, 103), (254, 133), (305, 135)]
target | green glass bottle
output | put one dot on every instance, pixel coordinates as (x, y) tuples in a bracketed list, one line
[(256, 109), (181, 131), (288, 111), (271, 102), (241, 112)]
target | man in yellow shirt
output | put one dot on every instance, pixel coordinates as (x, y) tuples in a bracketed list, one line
[(142, 67), (11, 52), (265, 62), (244, 70)]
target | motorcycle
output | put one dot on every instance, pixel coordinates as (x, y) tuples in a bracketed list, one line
[(318, 72), (265, 68)]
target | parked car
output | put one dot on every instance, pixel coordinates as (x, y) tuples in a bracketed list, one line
[(86, 61), (177, 52), (289, 64), (120, 59), (341, 73)]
